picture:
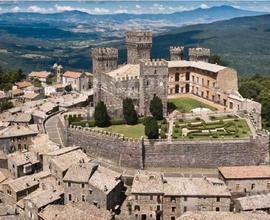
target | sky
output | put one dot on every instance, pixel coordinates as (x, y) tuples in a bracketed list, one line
[(134, 7)]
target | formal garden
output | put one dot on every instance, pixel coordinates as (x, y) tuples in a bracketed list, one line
[(229, 127)]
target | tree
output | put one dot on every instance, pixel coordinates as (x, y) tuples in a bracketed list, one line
[(129, 112), (250, 89), (102, 119), (5, 105), (215, 59), (156, 108), (151, 128)]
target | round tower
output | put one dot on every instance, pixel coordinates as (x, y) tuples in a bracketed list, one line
[(139, 44), (199, 54), (176, 53)]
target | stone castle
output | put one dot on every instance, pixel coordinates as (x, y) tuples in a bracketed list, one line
[(142, 78)]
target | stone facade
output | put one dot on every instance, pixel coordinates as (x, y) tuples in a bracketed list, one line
[(199, 54), (153, 82), (139, 154), (138, 46), (176, 53)]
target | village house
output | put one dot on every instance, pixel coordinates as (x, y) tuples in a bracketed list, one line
[(42, 76), (54, 90), (19, 118), (78, 81), (22, 85), (76, 210), (32, 96), (17, 189), (23, 163), (94, 184), (156, 197), (260, 202), (17, 137), (242, 180)]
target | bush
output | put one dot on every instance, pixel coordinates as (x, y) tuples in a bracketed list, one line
[(198, 119), (171, 107), (213, 117), (156, 108), (162, 135), (151, 128), (102, 119)]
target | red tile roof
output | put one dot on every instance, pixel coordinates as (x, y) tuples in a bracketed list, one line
[(74, 75)]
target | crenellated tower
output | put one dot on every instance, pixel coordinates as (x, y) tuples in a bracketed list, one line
[(139, 46), (176, 53), (199, 54), (103, 60), (153, 82)]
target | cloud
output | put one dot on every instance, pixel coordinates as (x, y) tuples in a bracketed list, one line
[(138, 6), (15, 9), (100, 10), (37, 9), (204, 6)]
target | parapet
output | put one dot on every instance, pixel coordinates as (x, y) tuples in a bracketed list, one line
[(139, 37), (177, 50), (154, 63), (199, 51), (104, 53)]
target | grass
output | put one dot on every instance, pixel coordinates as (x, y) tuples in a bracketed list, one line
[(187, 104), (131, 131)]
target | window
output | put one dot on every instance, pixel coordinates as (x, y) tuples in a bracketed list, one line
[(136, 197), (185, 208), (90, 191), (172, 218), (69, 184), (173, 199), (83, 198), (173, 209), (252, 186), (82, 185), (136, 208), (69, 197), (151, 197), (218, 199), (237, 186), (95, 204), (268, 185), (185, 198), (217, 209)]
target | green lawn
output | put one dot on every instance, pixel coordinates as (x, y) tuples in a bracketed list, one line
[(131, 131), (187, 104)]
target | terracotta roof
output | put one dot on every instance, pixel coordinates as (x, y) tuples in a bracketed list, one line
[(245, 172), (23, 84), (70, 74), (40, 74), (31, 95)]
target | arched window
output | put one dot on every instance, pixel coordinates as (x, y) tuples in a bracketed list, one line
[(137, 208), (177, 77), (176, 88)]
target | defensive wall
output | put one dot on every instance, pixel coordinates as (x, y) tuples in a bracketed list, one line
[(142, 153)]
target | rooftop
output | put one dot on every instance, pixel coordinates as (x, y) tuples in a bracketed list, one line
[(245, 172), (105, 179), (261, 201), (78, 211), (199, 65), (71, 74), (63, 151), (24, 84), (19, 130), (41, 144), (39, 74), (195, 187), (208, 215), (19, 117), (128, 70), (20, 158), (147, 183), (31, 95)]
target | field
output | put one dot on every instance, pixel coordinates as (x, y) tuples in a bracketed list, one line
[(230, 128), (185, 105), (131, 131)]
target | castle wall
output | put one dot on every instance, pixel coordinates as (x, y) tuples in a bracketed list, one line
[(204, 154)]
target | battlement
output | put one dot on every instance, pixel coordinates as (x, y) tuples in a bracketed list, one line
[(154, 63), (199, 51), (176, 50), (104, 53), (137, 37)]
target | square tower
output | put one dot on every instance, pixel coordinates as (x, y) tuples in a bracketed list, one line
[(199, 54), (103, 60), (139, 44), (176, 53), (153, 82)]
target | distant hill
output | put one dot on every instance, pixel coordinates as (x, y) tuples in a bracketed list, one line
[(242, 42), (36, 41)]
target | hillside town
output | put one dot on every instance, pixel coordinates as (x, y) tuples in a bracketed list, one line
[(145, 140)]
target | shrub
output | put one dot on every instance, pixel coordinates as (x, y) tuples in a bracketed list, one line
[(181, 120), (162, 135), (151, 128), (171, 107), (129, 112), (198, 119), (156, 108), (213, 117)]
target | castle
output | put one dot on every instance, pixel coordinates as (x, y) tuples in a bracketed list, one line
[(142, 78)]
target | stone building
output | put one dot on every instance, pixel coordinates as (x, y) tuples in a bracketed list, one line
[(156, 197), (94, 184), (242, 180), (139, 44), (42, 76), (78, 81), (199, 54), (215, 83)]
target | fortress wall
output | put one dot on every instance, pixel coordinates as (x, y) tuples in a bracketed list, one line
[(126, 153), (204, 154)]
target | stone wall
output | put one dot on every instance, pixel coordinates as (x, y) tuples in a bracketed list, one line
[(140, 154), (113, 147)]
